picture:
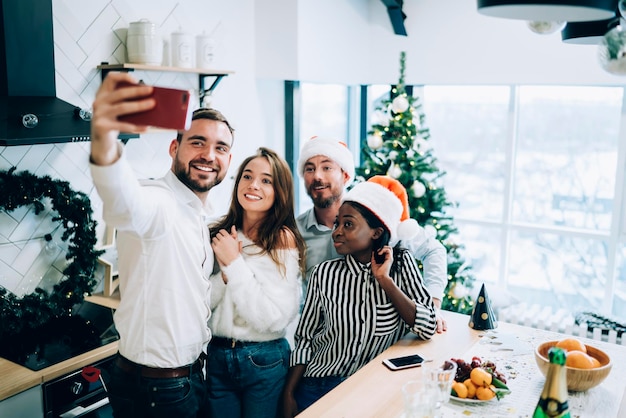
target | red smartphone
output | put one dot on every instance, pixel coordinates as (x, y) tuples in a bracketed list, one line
[(172, 110)]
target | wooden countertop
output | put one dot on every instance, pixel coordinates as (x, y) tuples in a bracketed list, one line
[(375, 391), (371, 391), (15, 378)]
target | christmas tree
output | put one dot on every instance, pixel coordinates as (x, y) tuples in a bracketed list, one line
[(397, 146)]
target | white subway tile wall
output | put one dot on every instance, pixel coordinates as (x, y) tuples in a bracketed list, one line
[(84, 36)]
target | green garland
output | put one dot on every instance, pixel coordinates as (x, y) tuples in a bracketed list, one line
[(75, 215)]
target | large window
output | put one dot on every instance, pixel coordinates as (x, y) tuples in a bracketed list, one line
[(538, 173), (534, 170), (469, 128), (567, 142), (324, 110)]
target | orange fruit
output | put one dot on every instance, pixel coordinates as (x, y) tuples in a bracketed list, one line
[(460, 389), (480, 376), (579, 360), (484, 393), (471, 388), (596, 362), (571, 344)]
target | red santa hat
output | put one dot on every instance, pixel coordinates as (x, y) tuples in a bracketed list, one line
[(386, 198)]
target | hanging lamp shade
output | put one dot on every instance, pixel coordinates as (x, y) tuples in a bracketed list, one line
[(587, 33), (549, 10)]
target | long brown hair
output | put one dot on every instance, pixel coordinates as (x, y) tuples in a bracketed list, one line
[(271, 235)]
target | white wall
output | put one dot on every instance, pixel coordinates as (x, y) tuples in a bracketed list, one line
[(448, 42), (454, 44)]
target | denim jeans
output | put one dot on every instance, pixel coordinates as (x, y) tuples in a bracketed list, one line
[(134, 396), (247, 381), (310, 389)]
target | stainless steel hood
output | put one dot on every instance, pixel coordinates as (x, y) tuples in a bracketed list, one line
[(27, 80)]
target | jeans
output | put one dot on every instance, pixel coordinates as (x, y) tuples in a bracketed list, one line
[(134, 396), (310, 389), (247, 381)]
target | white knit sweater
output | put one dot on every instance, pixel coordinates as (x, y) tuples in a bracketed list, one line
[(260, 299)]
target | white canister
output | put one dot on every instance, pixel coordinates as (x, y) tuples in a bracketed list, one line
[(205, 47), (182, 50), (143, 44)]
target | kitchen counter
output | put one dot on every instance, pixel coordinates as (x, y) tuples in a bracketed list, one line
[(15, 378), (375, 391)]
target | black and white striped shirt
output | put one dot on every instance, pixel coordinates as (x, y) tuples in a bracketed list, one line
[(348, 319)]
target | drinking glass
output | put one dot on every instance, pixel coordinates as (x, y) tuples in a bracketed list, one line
[(420, 399), (441, 379)]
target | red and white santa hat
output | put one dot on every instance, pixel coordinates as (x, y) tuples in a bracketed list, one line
[(335, 150), (386, 198)]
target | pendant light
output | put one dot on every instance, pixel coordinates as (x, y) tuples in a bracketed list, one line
[(545, 28), (587, 33), (612, 51), (549, 10)]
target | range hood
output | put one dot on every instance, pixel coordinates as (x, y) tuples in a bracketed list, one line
[(30, 112)]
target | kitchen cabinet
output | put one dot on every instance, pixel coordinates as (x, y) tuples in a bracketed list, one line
[(17, 380), (21, 389), (204, 75), (26, 404)]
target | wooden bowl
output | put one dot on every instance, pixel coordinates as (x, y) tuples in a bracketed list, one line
[(578, 380)]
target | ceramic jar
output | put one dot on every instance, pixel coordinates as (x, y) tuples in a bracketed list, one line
[(143, 43), (182, 50), (205, 46)]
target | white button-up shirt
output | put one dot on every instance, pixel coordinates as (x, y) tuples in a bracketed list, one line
[(164, 263)]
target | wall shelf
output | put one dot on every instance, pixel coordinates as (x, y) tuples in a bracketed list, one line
[(203, 74)]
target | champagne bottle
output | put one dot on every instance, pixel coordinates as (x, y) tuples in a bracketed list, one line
[(553, 400)]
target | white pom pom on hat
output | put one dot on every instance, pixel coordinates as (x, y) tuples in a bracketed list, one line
[(388, 200), (331, 148)]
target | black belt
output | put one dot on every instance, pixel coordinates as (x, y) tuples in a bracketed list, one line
[(223, 342), (155, 372)]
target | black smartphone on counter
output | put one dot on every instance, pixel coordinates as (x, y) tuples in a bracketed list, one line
[(405, 362)]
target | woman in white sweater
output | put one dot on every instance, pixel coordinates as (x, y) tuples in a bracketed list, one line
[(256, 292)]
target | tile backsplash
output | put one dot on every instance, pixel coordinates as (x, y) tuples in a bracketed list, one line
[(83, 37)]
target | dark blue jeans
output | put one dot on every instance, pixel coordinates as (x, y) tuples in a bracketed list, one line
[(247, 381), (134, 396), (310, 389)]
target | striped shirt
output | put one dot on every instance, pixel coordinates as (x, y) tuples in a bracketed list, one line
[(348, 319)]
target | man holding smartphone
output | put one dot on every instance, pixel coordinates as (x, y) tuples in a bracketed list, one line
[(164, 252), (327, 167)]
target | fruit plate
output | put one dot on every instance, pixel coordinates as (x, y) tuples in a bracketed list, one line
[(471, 400), (500, 393)]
